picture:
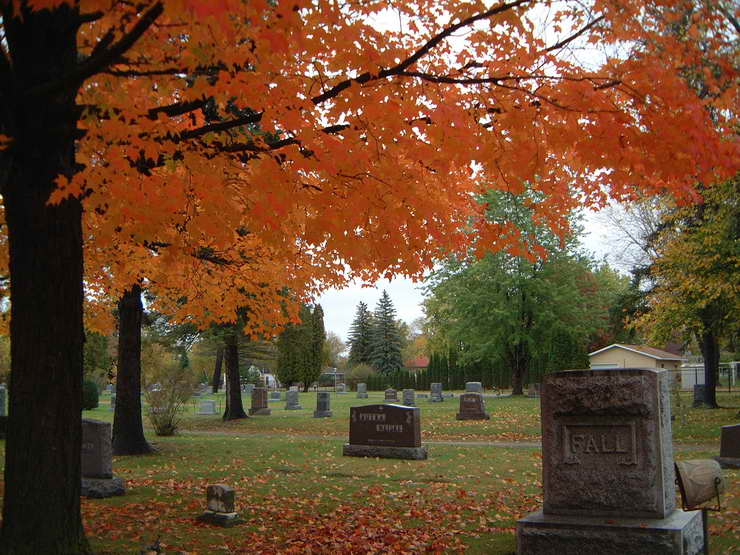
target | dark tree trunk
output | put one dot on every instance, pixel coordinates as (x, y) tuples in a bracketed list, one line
[(128, 428), (234, 408), (217, 369), (710, 352), (41, 505), (519, 362)]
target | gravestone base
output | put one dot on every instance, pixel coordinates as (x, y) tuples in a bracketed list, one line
[(322, 413), (385, 452), (728, 462), (681, 533), (100, 488), (362, 395), (294, 407), (480, 416), (260, 412), (225, 520)]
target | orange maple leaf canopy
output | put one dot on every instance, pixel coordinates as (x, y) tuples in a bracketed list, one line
[(239, 149)]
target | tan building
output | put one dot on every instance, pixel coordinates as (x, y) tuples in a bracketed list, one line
[(633, 356)]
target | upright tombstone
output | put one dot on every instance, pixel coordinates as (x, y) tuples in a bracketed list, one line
[(409, 397), (386, 431), (274, 396), (699, 390), (220, 506), (341, 388), (436, 393), (259, 402), (96, 460), (291, 398), (391, 394), (3, 400), (608, 471), (207, 407), (472, 407), (474, 387), (534, 390), (293, 388), (323, 405), (362, 391), (729, 447)]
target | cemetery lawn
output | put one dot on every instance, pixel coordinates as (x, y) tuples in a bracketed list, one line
[(296, 491)]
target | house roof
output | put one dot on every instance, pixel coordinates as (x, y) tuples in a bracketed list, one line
[(646, 350), (418, 362)]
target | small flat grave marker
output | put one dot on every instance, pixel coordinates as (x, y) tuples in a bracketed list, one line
[(220, 506), (274, 396), (386, 431)]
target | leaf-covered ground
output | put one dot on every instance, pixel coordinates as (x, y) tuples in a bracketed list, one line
[(298, 494)]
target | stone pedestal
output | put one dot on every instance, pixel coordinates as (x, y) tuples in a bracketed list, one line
[(680, 533), (608, 473)]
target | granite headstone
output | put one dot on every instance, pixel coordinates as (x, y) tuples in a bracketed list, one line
[(96, 458), (291, 398), (274, 396), (409, 397), (259, 402), (220, 509), (472, 407), (391, 394), (207, 407), (729, 446), (386, 431), (473, 387), (362, 391), (436, 393), (323, 405)]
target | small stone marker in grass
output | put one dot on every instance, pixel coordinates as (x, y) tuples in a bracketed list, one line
[(409, 397), (96, 458), (259, 402), (291, 398), (729, 447), (386, 431), (220, 508), (436, 393), (207, 407), (473, 387), (274, 396), (362, 391), (341, 388), (391, 394), (472, 407), (323, 405), (608, 473)]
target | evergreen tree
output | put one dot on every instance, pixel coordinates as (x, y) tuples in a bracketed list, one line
[(311, 370), (293, 345), (386, 338), (360, 336)]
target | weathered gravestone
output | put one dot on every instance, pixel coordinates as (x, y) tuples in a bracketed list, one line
[(323, 405), (474, 387), (391, 394), (293, 388), (362, 391), (436, 393), (259, 402), (248, 389), (274, 396), (699, 390), (534, 390), (96, 459), (341, 388), (291, 398), (472, 407), (608, 471), (3, 401), (729, 447), (386, 431), (220, 507), (207, 407), (409, 397)]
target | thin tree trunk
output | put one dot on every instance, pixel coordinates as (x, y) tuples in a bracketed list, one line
[(128, 428), (217, 369), (41, 503), (710, 352), (234, 408)]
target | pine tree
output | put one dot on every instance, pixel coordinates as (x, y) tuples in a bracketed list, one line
[(386, 338), (314, 359), (293, 347), (360, 336)]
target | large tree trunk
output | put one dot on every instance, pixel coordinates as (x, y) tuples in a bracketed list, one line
[(710, 352), (41, 506), (128, 429), (217, 369), (519, 362), (234, 408)]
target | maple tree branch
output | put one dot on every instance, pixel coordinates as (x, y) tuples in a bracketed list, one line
[(148, 73), (178, 108), (575, 35), (416, 56), (217, 127)]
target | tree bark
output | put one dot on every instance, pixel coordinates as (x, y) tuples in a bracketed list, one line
[(519, 362), (41, 505), (217, 369), (128, 428), (234, 408), (710, 352)]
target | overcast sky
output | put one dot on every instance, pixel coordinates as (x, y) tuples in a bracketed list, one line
[(340, 305)]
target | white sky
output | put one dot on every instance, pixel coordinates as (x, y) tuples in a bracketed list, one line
[(340, 305)]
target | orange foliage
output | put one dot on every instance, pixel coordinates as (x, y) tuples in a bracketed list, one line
[(362, 150)]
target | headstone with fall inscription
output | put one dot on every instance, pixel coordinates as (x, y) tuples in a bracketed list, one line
[(608, 473)]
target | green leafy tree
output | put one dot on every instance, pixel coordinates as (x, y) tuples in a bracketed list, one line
[(301, 348), (311, 370), (385, 346), (360, 336)]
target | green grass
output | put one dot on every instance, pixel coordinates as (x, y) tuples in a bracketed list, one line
[(295, 490)]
